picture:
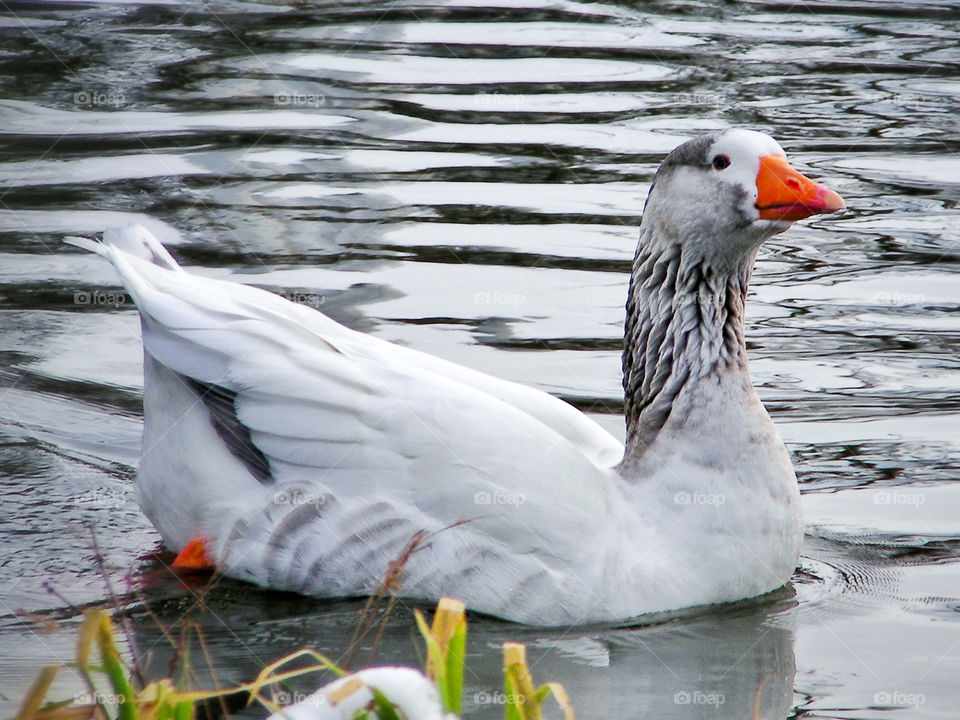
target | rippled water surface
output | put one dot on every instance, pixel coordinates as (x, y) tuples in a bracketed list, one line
[(466, 178)]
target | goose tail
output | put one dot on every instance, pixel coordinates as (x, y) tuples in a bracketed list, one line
[(133, 240)]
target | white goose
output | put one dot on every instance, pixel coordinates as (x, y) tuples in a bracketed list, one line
[(297, 454)]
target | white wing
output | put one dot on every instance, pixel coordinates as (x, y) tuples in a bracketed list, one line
[(370, 442), (194, 304)]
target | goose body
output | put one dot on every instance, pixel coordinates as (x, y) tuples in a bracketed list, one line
[(306, 456)]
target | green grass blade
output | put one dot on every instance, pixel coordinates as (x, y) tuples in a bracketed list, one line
[(385, 708), (511, 709), (115, 670), (436, 669), (183, 710), (456, 658)]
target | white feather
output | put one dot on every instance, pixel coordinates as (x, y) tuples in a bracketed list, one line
[(413, 694)]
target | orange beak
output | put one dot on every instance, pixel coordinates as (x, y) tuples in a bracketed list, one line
[(785, 194)]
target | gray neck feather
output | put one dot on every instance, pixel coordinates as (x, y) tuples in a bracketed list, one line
[(684, 327)]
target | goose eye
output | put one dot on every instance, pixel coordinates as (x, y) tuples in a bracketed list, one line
[(721, 162)]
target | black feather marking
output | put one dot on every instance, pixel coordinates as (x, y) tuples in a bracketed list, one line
[(221, 404)]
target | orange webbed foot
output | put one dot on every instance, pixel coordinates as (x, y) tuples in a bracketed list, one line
[(195, 557)]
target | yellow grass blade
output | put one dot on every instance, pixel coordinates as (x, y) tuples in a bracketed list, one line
[(450, 615), (517, 674), (37, 693), (562, 699)]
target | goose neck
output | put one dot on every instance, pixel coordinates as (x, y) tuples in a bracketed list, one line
[(684, 337)]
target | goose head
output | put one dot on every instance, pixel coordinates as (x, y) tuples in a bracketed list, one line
[(720, 196), (713, 201)]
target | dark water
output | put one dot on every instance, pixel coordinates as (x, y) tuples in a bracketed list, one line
[(466, 178)]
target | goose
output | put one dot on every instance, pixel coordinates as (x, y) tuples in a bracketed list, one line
[(284, 449)]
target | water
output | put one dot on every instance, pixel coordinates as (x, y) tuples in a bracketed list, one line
[(467, 178)]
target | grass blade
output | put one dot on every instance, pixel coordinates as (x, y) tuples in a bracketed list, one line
[(36, 694), (522, 693)]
